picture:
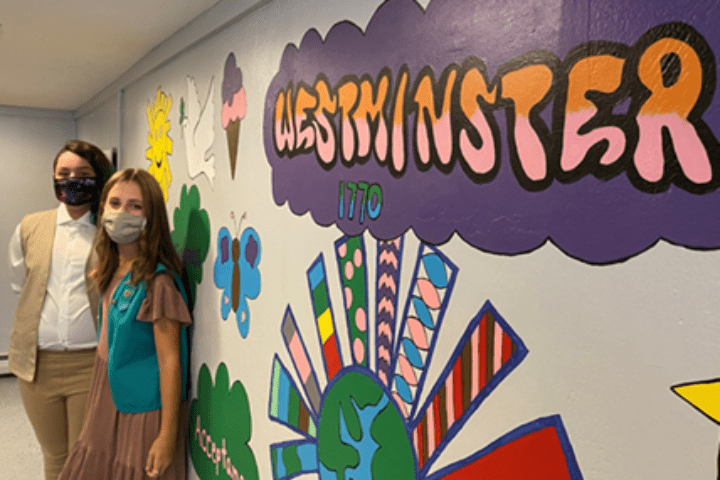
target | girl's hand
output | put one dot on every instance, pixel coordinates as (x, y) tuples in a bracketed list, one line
[(160, 456)]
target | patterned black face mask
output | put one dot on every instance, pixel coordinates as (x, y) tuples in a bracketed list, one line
[(76, 191)]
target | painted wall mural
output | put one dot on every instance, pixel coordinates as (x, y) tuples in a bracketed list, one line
[(237, 273), (161, 145), (233, 107), (191, 236), (221, 428), (509, 151), (368, 424), (432, 336), (197, 119)]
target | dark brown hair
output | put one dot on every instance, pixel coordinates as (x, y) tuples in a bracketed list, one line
[(97, 160), (154, 245)]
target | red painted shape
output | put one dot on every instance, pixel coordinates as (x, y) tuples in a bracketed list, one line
[(332, 356), (507, 345), (420, 445), (536, 455), (436, 411), (482, 354), (457, 389)]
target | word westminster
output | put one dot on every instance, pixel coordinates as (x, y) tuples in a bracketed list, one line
[(666, 82)]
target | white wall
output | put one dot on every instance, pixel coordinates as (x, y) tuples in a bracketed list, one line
[(29, 141)]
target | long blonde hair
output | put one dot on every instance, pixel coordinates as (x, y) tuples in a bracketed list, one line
[(154, 245)]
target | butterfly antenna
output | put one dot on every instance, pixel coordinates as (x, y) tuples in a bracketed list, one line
[(238, 225)]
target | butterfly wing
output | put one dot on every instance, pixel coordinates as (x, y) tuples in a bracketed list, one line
[(223, 270), (250, 251)]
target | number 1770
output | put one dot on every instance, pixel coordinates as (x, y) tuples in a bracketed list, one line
[(369, 197)]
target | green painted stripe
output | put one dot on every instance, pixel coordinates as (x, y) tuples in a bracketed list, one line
[(320, 300), (312, 429), (291, 460), (275, 394), (274, 456), (294, 408)]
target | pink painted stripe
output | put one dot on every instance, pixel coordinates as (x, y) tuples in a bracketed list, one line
[(386, 305), (407, 371), (475, 351), (415, 438), (384, 329), (450, 399), (428, 293), (383, 377), (430, 423), (400, 403), (497, 361), (417, 333), (389, 258), (302, 363)]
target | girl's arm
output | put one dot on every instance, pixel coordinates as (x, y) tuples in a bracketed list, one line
[(167, 345)]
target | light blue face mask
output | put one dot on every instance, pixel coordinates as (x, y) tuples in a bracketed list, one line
[(123, 227)]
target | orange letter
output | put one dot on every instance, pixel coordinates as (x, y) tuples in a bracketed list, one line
[(368, 112), (526, 87), (324, 129), (347, 98), (473, 93), (602, 73), (305, 134), (398, 127), (439, 122), (283, 130), (671, 69)]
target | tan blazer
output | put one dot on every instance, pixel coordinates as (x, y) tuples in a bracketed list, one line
[(37, 233)]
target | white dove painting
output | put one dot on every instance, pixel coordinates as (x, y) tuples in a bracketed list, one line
[(197, 122)]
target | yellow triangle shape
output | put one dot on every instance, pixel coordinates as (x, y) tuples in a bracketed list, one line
[(704, 396)]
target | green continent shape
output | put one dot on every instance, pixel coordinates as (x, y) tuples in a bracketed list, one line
[(393, 459), (191, 236), (224, 413)]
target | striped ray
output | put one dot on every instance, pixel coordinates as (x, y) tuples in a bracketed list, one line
[(352, 267), (322, 308), (286, 405), (303, 366), (488, 351), (290, 459), (389, 261), (431, 288)]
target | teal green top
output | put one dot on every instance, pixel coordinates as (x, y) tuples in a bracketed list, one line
[(133, 368)]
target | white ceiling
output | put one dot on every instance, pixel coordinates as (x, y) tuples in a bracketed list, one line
[(57, 54)]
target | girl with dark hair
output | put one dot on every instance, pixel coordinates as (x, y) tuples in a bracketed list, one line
[(54, 333), (136, 421)]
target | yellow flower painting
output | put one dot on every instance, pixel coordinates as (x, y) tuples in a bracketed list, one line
[(161, 144)]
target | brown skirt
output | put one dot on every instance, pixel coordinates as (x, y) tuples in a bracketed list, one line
[(114, 445)]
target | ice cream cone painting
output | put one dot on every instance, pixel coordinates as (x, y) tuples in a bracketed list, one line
[(233, 108)]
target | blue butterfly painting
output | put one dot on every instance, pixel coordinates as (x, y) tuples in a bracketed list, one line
[(236, 272)]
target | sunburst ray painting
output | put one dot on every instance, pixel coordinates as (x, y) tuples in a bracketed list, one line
[(372, 419)]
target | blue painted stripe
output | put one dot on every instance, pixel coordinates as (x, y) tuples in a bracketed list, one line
[(423, 313), (412, 353), (307, 454), (283, 396), (403, 389), (435, 268), (316, 275), (280, 471)]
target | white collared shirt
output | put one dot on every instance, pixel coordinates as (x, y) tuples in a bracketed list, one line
[(66, 322)]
